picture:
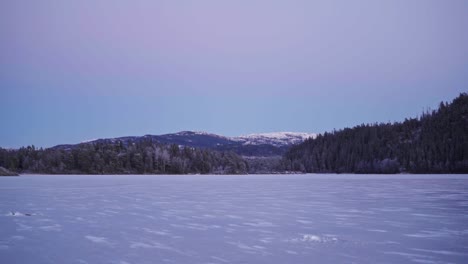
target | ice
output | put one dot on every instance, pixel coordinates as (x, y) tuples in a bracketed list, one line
[(234, 219)]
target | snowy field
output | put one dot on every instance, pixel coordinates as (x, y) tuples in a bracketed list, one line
[(234, 219)]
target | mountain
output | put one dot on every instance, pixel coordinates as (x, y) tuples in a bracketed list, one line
[(266, 144), (436, 142), (277, 139), (185, 152)]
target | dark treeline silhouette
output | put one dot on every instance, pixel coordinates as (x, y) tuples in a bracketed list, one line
[(143, 157), (436, 142)]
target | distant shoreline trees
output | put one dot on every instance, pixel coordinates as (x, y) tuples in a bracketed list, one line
[(142, 157)]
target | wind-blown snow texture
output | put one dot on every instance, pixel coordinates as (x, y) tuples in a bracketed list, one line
[(234, 219)]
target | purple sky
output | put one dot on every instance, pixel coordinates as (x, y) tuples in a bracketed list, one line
[(76, 70)]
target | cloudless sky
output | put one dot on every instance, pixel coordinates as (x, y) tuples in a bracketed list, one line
[(77, 70)]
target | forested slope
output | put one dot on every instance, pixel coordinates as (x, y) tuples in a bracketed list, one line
[(436, 142)]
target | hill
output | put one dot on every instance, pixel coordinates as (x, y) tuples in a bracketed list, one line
[(254, 145), (436, 142)]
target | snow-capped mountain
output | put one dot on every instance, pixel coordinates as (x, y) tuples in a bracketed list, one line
[(275, 138), (263, 144)]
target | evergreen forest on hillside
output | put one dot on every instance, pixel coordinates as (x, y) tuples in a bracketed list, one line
[(436, 142)]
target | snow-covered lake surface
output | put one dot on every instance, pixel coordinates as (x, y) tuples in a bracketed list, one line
[(234, 219)]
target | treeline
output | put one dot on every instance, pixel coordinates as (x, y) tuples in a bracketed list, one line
[(436, 142), (143, 157)]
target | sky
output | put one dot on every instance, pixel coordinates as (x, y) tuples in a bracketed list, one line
[(71, 71)]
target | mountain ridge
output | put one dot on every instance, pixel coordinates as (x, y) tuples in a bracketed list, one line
[(258, 144)]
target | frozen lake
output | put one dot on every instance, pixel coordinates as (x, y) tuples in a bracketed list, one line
[(234, 219)]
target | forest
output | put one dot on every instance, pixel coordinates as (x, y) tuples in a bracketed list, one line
[(143, 157), (436, 142)]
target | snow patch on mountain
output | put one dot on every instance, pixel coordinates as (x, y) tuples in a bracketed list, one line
[(274, 138), (89, 140)]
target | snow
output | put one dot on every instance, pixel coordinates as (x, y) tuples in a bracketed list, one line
[(234, 219), (281, 135), (190, 133), (275, 138), (15, 214), (311, 238), (89, 140)]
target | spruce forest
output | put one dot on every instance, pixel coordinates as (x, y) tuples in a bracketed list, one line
[(436, 142)]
